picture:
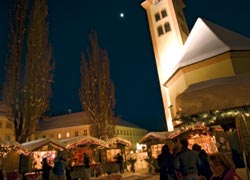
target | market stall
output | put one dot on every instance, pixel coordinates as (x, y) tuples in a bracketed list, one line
[(222, 101), (76, 147), (42, 148), (114, 146), (9, 157), (195, 133)]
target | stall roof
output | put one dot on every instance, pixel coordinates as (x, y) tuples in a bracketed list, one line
[(81, 140), (119, 140), (216, 94), (166, 135), (159, 136), (12, 146), (39, 143)]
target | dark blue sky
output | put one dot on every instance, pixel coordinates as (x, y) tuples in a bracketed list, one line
[(128, 43)]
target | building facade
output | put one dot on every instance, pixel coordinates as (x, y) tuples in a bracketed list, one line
[(77, 124), (184, 58), (7, 129)]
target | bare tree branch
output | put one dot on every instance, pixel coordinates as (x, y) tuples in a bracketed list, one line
[(97, 89)]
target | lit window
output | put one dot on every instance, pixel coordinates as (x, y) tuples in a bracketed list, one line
[(59, 136), (157, 17), (164, 13), (67, 134), (167, 27), (160, 30)]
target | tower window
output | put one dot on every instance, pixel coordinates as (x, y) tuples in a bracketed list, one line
[(157, 17), (164, 13), (160, 30), (167, 27)]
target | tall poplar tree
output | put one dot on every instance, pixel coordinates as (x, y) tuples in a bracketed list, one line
[(29, 69), (97, 89)]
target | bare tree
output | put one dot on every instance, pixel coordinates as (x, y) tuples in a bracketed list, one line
[(27, 93), (97, 89)]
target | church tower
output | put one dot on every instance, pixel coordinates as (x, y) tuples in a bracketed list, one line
[(169, 31)]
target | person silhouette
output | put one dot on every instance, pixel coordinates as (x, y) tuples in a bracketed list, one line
[(46, 169), (120, 163)]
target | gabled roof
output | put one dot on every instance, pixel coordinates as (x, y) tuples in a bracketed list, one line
[(82, 140), (119, 140), (75, 119), (122, 122), (161, 137), (206, 40), (39, 143), (66, 120)]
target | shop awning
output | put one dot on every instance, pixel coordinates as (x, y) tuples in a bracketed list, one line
[(216, 94)]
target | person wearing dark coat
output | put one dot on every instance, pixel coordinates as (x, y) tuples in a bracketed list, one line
[(166, 164), (46, 169), (204, 168), (120, 163)]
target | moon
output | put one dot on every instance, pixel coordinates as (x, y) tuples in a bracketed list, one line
[(121, 15)]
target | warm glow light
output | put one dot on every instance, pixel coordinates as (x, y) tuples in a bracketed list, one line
[(139, 147), (170, 59)]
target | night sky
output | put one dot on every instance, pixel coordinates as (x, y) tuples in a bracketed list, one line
[(128, 42)]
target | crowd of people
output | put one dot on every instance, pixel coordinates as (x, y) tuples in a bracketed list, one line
[(178, 162), (61, 168)]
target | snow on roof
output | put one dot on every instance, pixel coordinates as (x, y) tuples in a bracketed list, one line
[(13, 144), (66, 120), (154, 135), (206, 40), (122, 122), (81, 140), (39, 143), (76, 119), (113, 140), (163, 136), (215, 94)]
